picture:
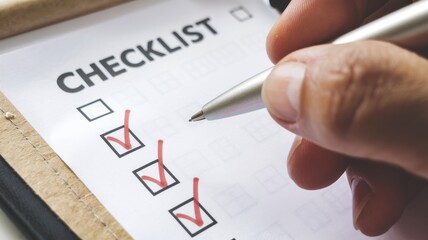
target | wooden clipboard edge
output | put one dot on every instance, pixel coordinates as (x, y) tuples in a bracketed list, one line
[(28, 154), (50, 178), (22, 16)]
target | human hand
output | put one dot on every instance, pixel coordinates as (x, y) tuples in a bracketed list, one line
[(360, 108)]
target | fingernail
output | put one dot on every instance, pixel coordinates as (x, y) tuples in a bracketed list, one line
[(361, 193), (281, 90), (294, 146)]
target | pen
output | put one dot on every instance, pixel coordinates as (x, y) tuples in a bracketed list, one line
[(407, 27)]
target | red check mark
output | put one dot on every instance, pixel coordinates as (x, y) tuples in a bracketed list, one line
[(198, 218), (127, 144), (162, 179)]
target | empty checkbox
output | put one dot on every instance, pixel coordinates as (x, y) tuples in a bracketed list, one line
[(95, 110), (273, 232), (235, 200), (313, 216), (193, 163), (199, 67), (261, 129), (227, 54), (271, 179), (129, 97), (165, 83), (254, 42), (339, 197), (160, 127), (241, 14), (224, 149)]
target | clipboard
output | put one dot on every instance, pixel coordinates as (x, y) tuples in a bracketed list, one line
[(52, 181), (40, 193)]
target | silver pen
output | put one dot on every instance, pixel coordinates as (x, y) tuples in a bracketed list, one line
[(407, 27)]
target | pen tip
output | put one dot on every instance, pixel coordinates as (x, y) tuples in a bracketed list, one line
[(197, 117)]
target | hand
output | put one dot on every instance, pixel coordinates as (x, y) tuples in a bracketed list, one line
[(360, 108)]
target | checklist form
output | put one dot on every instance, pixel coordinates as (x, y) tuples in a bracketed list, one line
[(113, 100)]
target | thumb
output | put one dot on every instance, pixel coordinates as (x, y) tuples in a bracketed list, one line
[(366, 100)]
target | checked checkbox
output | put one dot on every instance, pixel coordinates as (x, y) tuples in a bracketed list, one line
[(122, 140), (164, 178), (191, 215)]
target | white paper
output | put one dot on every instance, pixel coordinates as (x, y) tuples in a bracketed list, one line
[(244, 189)]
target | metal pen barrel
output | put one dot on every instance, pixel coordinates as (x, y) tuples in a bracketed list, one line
[(407, 27)]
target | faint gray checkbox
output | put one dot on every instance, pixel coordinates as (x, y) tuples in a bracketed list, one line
[(193, 163), (273, 232), (241, 14), (252, 42), (165, 83), (129, 97), (313, 216), (199, 67), (160, 127), (234, 200), (339, 197), (261, 128), (224, 149), (227, 54), (271, 179)]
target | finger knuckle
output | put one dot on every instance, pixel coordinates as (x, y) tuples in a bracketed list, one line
[(347, 90)]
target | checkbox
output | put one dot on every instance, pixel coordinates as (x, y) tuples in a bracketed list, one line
[(193, 163), (122, 140), (161, 126), (165, 83), (241, 14), (261, 129), (200, 67), (118, 148), (191, 215), (190, 227), (227, 54), (339, 197), (224, 149), (129, 97), (156, 177), (235, 200), (271, 179), (274, 232), (95, 110), (253, 43), (313, 216)]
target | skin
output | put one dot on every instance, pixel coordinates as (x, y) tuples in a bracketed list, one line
[(361, 108)]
